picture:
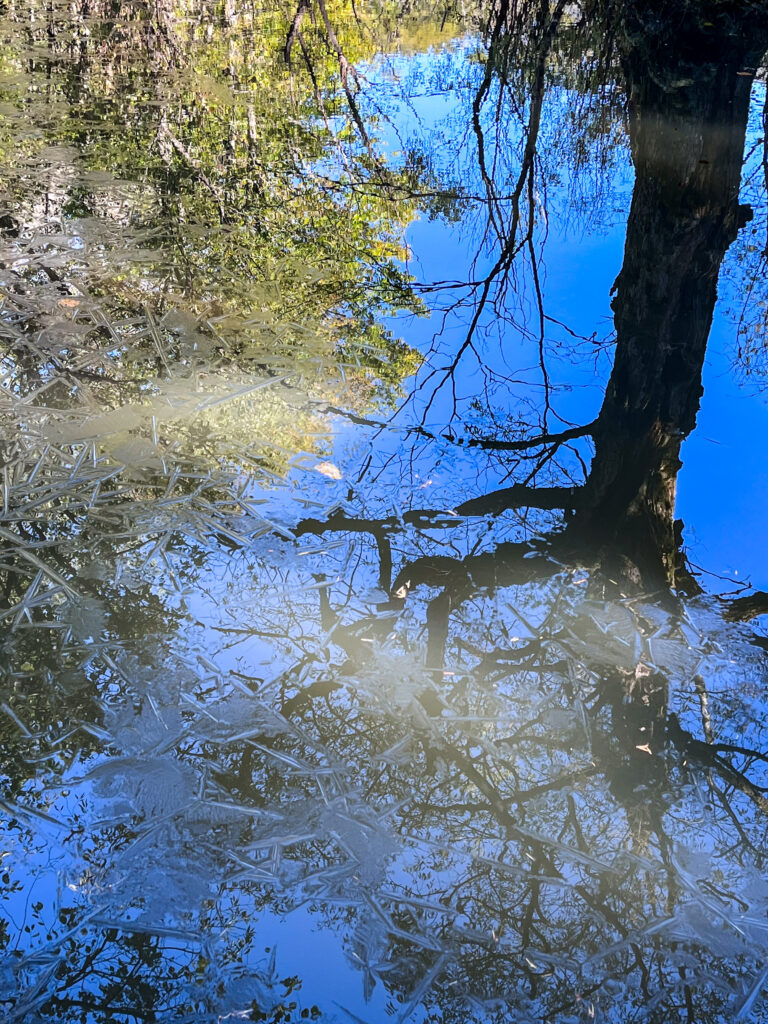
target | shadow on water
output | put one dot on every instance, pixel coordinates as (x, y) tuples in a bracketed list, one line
[(284, 738)]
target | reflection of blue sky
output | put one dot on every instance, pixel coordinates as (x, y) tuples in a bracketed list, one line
[(267, 595), (724, 480), (721, 484)]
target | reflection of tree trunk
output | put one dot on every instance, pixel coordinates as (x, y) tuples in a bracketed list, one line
[(689, 101), (639, 705)]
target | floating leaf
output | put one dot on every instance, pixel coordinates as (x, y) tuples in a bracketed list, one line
[(329, 470)]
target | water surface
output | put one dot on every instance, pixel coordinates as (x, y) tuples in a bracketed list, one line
[(382, 397)]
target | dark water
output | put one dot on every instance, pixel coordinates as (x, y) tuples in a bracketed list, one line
[(382, 411)]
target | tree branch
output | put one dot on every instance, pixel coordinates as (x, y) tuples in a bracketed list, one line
[(742, 609), (492, 504)]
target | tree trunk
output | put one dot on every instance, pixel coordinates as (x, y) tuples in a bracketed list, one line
[(688, 94)]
